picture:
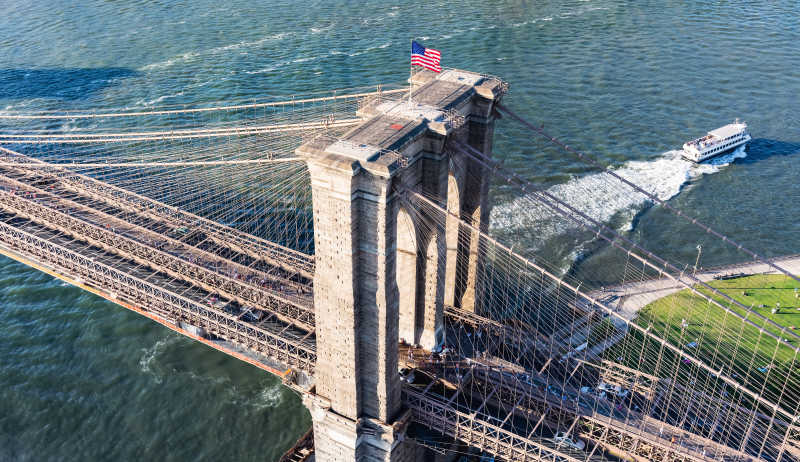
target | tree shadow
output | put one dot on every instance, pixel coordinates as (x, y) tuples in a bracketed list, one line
[(67, 84)]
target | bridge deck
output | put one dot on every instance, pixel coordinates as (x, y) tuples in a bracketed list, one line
[(291, 261), (46, 199), (533, 397), (174, 300), (434, 406)]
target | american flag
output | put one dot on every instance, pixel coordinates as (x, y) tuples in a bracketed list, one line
[(426, 57)]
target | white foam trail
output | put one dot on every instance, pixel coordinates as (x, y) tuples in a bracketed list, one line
[(269, 397), (602, 197), (152, 102), (150, 354), (213, 51)]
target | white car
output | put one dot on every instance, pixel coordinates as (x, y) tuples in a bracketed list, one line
[(596, 393), (613, 389), (563, 438)]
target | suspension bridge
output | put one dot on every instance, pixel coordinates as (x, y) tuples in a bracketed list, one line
[(342, 242)]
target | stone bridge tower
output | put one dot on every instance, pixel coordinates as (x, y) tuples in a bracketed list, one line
[(384, 271)]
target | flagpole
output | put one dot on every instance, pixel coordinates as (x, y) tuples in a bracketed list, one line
[(410, 74)]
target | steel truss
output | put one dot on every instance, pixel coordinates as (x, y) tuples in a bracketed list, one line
[(175, 308), (437, 413), (649, 438), (292, 261), (71, 218)]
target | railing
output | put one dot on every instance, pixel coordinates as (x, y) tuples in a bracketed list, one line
[(436, 413), (114, 242), (175, 308)]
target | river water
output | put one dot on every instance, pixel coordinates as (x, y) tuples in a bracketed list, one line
[(83, 379)]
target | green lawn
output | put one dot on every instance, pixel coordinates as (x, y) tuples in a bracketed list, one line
[(723, 340), (763, 292)]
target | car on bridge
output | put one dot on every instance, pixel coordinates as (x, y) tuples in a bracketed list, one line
[(562, 438), (595, 393), (613, 389)]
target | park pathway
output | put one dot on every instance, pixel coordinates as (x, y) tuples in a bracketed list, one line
[(628, 299)]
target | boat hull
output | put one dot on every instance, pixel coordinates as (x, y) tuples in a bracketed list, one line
[(702, 158)]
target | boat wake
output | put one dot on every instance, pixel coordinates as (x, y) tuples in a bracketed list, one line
[(603, 198)]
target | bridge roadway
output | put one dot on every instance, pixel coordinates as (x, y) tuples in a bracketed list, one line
[(251, 297), (46, 200), (244, 244), (134, 285), (487, 407), (203, 276)]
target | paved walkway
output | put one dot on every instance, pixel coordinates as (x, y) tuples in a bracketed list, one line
[(629, 298)]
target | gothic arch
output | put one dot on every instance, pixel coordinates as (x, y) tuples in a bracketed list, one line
[(454, 203), (406, 275)]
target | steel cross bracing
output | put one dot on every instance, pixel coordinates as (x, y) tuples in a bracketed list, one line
[(438, 412), (634, 433), (19, 192), (157, 293), (654, 433), (291, 261)]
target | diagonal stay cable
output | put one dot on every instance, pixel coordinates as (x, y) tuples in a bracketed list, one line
[(198, 163), (596, 302), (649, 195), (548, 198), (202, 109)]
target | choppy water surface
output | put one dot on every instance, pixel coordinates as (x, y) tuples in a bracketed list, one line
[(82, 379)]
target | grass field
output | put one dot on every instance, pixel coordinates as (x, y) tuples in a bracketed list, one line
[(722, 340)]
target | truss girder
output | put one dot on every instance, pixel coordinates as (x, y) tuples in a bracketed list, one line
[(648, 436), (290, 260), (67, 220), (148, 296), (434, 412)]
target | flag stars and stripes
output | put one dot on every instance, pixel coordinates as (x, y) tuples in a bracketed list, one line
[(426, 57)]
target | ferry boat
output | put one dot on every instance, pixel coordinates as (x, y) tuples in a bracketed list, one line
[(717, 142)]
